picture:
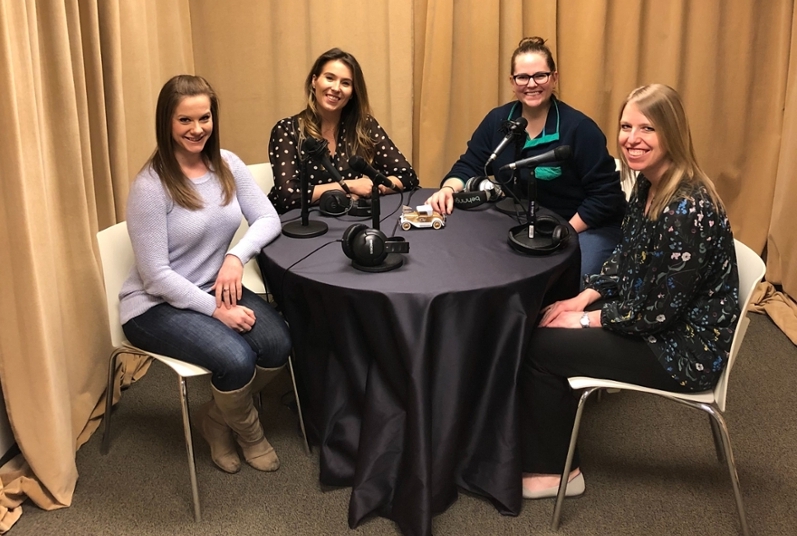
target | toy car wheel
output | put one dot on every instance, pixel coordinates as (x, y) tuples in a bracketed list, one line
[(406, 226), (437, 224)]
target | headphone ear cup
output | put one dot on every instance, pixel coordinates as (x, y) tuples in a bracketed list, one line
[(483, 184), (349, 235), (546, 225), (368, 247), (559, 235), (334, 203)]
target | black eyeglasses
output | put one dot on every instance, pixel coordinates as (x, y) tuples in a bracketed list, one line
[(539, 78)]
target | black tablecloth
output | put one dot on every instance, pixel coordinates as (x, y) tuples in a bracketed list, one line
[(408, 378)]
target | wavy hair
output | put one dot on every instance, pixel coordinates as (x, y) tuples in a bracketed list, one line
[(663, 107), (355, 115), (164, 162)]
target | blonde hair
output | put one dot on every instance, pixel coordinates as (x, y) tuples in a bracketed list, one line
[(355, 114), (163, 160), (662, 106)]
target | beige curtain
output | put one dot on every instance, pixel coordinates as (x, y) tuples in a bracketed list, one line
[(732, 61), (79, 81), (258, 54), (71, 76), (777, 296)]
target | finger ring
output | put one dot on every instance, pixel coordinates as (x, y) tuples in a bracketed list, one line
[(225, 290)]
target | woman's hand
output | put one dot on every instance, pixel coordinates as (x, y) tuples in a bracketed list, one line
[(360, 187), (238, 317), (399, 186), (228, 286), (442, 200), (566, 319), (574, 305)]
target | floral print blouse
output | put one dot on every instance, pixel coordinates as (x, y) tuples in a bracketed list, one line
[(674, 282), (283, 151)]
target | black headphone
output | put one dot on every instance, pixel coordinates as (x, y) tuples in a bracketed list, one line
[(337, 203), (369, 247), (477, 191), (549, 235)]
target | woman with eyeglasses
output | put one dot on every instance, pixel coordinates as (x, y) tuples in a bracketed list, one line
[(584, 189)]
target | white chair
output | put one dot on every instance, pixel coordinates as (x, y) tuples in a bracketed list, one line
[(751, 271), (263, 174), (116, 254), (626, 185), (252, 278)]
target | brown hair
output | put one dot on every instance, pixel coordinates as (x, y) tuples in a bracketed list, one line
[(663, 107), (534, 45), (163, 160), (355, 114)]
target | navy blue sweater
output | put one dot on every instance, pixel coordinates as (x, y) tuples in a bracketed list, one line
[(588, 183)]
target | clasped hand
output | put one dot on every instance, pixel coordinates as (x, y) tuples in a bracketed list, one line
[(359, 187), (567, 313), (228, 289)]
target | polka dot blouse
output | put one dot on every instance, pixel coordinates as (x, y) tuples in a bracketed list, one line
[(283, 152)]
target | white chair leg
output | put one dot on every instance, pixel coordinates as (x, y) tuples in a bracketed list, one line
[(560, 497), (726, 445), (189, 445), (106, 434), (298, 406)]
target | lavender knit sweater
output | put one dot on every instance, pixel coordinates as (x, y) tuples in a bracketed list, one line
[(178, 251)]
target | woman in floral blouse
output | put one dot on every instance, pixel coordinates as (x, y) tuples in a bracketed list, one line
[(663, 309), (337, 111)]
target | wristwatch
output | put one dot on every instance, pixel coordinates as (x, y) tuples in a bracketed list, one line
[(585, 320)]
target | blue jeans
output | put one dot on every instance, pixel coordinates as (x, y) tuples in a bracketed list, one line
[(596, 246), (202, 340)]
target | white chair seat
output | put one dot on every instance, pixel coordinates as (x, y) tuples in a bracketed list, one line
[(186, 370), (582, 382)]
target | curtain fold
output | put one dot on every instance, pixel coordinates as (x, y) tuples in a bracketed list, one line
[(64, 164), (79, 83), (777, 298)]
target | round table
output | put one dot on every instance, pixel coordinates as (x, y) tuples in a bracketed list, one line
[(408, 377)]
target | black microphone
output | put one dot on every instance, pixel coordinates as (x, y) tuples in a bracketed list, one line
[(513, 128), (358, 164), (560, 153), (318, 150)]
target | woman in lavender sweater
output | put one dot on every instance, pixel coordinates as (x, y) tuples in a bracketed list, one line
[(184, 296)]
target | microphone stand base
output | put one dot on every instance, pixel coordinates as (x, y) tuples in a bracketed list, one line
[(295, 229), (391, 262), (508, 205)]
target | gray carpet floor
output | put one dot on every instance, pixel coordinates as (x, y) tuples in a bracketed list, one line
[(649, 464)]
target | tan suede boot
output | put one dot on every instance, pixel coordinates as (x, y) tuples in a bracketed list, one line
[(240, 414), (219, 436), (263, 377)]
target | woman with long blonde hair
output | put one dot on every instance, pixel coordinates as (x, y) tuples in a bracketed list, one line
[(663, 309)]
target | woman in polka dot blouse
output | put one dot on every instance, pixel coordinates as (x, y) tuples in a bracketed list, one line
[(337, 111)]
